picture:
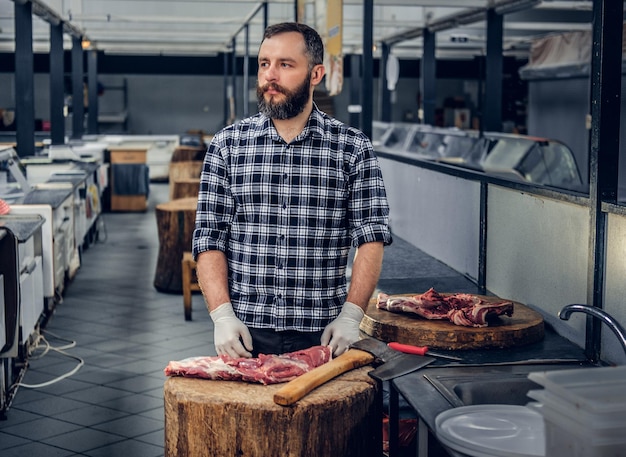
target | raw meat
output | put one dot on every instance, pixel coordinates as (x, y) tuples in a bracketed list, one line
[(460, 309), (265, 369)]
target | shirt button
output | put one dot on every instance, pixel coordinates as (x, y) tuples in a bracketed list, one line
[(284, 205)]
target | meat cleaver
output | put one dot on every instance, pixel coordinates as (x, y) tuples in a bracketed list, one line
[(363, 352)]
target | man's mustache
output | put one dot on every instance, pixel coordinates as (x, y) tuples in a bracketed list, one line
[(272, 86)]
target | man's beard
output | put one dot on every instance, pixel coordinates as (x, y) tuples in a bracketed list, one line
[(294, 103)]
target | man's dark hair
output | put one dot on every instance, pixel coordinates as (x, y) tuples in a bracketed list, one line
[(312, 40)]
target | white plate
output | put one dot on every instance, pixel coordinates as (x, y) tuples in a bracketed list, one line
[(493, 431)]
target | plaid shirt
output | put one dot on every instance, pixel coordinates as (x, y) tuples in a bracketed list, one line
[(286, 216)]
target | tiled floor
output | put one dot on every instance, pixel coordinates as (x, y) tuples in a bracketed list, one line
[(126, 331)]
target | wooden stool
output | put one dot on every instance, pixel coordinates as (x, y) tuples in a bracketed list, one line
[(184, 187), (190, 282), (226, 418), (175, 223), (183, 170)]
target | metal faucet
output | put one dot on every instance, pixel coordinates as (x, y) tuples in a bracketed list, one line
[(605, 317)]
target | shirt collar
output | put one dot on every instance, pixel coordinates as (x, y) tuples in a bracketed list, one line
[(313, 127)]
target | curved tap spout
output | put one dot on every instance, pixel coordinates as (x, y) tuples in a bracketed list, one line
[(605, 317)]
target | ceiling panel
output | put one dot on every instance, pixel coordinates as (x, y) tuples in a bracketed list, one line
[(207, 27)]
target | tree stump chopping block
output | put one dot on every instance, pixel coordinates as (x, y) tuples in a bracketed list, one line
[(225, 418), (175, 223)]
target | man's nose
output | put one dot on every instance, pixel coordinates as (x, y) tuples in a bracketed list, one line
[(271, 73)]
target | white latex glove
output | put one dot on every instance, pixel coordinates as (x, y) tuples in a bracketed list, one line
[(344, 330), (228, 331)]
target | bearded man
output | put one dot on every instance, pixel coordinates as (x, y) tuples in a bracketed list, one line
[(284, 195)]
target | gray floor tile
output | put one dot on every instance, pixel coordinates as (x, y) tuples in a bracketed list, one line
[(156, 438), (8, 441), (131, 426), (84, 439), (134, 404), (97, 394), (51, 406), (39, 429), (133, 448), (91, 415), (36, 449)]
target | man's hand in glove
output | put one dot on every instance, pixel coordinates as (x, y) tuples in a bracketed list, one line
[(230, 332), (344, 330)]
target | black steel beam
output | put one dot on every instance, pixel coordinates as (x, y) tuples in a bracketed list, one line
[(606, 64), (78, 108), (246, 72), (233, 80), (428, 78), (57, 86), (92, 84), (355, 86), (367, 101), (384, 96), (492, 108), (24, 80)]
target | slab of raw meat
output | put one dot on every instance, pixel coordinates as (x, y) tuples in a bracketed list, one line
[(264, 369), (460, 309)]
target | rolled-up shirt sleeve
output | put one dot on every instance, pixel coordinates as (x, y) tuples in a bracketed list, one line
[(216, 205), (368, 206)]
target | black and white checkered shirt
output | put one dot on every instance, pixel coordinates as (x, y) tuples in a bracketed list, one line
[(286, 216)]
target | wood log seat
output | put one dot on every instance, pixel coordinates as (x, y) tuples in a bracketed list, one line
[(179, 171), (190, 282), (225, 418), (175, 223), (184, 187)]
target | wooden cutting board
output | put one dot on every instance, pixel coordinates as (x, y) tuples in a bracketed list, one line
[(524, 327)]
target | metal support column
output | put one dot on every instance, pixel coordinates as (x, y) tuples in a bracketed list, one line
[(233, 79), (429, 77), (606, 62), (492, 111), (355, 86), (24, 80), (246, 70), (367, 101), (226, 88), (92, 84), (384, 97), (78, 109), (57, 118)]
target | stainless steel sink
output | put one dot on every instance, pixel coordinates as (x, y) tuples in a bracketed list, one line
[(502, 384)]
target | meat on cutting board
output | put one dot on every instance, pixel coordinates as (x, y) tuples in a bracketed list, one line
[(264, 369), (460, 309)]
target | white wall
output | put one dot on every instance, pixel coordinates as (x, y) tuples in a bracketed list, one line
[(615, 292), (537, 253), (438, 213)]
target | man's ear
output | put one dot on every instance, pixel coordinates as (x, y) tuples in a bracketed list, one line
[(317, 74)]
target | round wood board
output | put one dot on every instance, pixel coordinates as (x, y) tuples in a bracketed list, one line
[(524, 327)]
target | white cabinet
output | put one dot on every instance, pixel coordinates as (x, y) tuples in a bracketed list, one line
[(31, 297)]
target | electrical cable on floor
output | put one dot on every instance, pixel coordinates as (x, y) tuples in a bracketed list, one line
[(42, 343)]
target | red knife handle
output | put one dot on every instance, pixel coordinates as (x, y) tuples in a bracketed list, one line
[(408, 349)]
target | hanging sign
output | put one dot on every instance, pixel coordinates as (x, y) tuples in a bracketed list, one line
[(334, 46)]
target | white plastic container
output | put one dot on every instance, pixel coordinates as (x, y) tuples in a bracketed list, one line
[(609, 418), (584, 411), (568, 438), (587, 385)]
